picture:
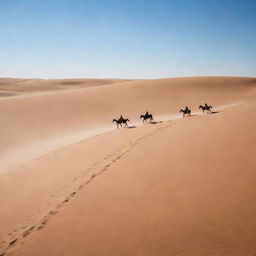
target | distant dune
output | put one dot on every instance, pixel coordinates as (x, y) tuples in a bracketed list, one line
[(19, 86), (42, 118), (184, 186)]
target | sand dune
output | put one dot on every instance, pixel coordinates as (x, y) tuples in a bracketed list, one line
[(180, 187), (18, 86), (32, 124)]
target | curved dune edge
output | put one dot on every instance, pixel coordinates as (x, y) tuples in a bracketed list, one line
[(33, 125), (25, 87), (143, 134)]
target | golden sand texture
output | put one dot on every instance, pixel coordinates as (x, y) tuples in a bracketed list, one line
[(179, 187)]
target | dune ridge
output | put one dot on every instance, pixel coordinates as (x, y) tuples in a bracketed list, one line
[(19, 86), (87, 177), (43, 117), (57, 187)]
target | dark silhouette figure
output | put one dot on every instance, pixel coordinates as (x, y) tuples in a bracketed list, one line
[(206, 108), (186, 111), (146, 117), (121, 121)]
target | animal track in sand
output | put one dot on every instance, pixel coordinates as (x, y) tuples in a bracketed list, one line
[(100, 169), (28, 231), (13, 242), (77, 184)]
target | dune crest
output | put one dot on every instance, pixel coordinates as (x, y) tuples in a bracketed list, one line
[(45, 117), (178, 186)]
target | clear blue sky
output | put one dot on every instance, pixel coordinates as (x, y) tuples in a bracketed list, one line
[(127, 38)]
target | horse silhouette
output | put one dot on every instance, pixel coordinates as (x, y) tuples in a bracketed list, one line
[(146, 117), (186, 111), (121, 121), (206, 108)]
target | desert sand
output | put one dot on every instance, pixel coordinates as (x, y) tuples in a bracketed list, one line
[(73, 184)]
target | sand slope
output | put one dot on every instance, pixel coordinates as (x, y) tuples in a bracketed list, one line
[(34, 124), (18, 86), (183, 187)]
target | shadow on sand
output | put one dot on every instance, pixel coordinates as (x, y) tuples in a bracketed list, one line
[(214, 112), (155, 122), (131, 127)]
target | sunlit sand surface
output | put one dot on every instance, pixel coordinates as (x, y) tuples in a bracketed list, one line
[(73, 184)]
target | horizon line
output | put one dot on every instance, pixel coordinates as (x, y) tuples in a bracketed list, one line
[(116, 78)]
